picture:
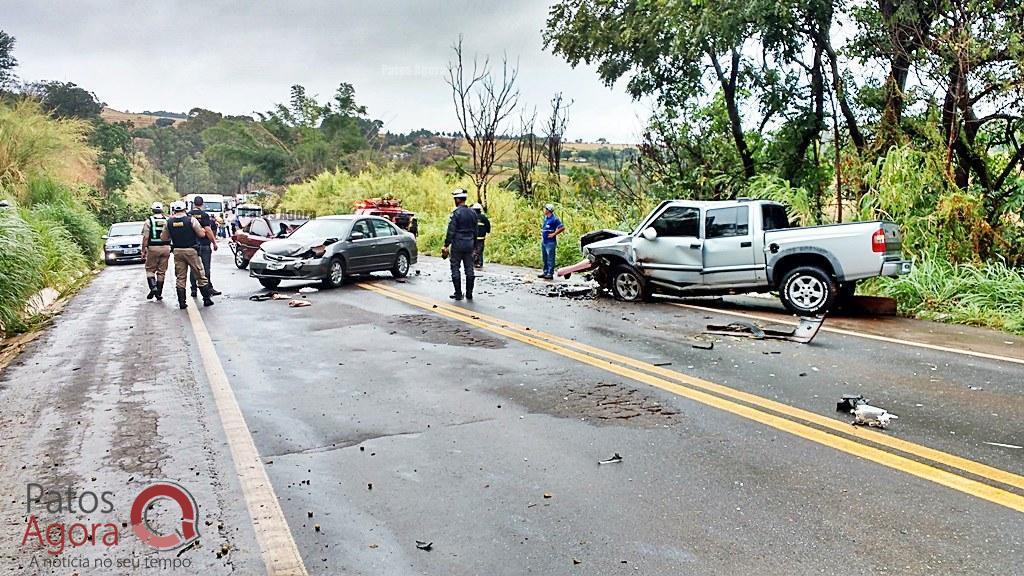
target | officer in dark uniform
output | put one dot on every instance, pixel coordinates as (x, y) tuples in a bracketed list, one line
[(483, 228), (458, 243), (183, 231), (207, 242)]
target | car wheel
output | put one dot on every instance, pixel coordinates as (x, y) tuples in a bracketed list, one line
[(240, 260), (401, 267), (808, 291), (335, 274), (270, 283), (627, 284)]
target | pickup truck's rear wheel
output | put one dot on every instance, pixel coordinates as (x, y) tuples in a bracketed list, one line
[(627, 284), (808, 291)]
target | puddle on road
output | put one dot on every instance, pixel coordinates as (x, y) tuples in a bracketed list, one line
[(437, 330), (600, 402)]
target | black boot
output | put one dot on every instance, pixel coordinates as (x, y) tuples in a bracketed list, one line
[(159, 290), (469, 288), (194, 292), (214, 291), (458, 289), (152, 288), (207, 292), (181, 298)]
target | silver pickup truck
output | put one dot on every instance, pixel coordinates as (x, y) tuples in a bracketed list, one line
[(701, 248)]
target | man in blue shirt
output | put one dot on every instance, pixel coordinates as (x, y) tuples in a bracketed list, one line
[(549, 232)]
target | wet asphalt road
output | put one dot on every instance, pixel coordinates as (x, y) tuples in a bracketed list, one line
[(382, 423)]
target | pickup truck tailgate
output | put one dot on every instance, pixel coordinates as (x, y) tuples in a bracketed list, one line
[(893, 240)]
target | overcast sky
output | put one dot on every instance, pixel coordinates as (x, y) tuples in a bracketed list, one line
[(240, 56)]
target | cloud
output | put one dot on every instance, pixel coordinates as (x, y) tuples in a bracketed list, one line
[(239, 56)]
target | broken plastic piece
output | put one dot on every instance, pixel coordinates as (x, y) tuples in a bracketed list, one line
[(702, 345), (262, 297), (866, 414), (298, 303), (307, 290), (803, 333), (850, 402), (615, 459), (427, 546)]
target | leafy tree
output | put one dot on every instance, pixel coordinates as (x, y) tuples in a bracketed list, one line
[(68, 100), (7, 61)]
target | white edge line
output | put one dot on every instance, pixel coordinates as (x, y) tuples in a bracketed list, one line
[(277, 546), (858, 334)]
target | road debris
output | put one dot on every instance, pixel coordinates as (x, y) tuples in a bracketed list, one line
[(615, 459), (873, 416), (425, 546), (548, 495), (276, 296), (850, 402), (308, 290), (803, 333), (1001, 445), (704, 344), (571, 291), (298, 303), (261, 297)]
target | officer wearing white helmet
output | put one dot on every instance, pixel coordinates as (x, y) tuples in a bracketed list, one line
[(458, 244), (155, 251), (183, 232)]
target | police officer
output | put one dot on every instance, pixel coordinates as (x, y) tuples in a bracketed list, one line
[(458, 243), (207, 242), (483, 228), (155, 252), (183, 232)]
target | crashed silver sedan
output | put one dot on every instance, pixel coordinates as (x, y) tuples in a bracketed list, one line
[(330, 248)]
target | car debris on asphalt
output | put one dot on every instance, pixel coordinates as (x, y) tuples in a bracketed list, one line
[(308, 290), (872, 416), (425, 546), (803, 333), (299, 303), (850, 402), (615, 459), (703, 344)]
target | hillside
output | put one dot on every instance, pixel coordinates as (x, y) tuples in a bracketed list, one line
[(137, 120)]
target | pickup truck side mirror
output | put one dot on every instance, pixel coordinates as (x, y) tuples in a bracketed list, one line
[(357, 236), (649, 233)]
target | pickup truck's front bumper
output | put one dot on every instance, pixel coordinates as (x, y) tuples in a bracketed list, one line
[(897, 268)]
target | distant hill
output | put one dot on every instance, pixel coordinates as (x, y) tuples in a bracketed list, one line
[(137, 120)]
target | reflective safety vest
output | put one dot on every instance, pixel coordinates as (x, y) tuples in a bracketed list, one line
[(182, 234), (156, 226)]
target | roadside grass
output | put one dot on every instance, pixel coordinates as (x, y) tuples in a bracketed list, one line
[(21, 269), (990, 294)]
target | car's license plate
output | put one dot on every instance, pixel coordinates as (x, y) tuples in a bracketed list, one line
[(131, 251), (275, 265)]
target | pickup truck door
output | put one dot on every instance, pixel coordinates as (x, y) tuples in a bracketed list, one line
[(673, 257), (729, 247)]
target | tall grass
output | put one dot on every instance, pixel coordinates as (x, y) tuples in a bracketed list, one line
[(21, 269), (32, 145), (62, 260), (990, 294), (80, 225)]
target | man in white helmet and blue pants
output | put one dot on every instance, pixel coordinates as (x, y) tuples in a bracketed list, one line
[(155, 252)]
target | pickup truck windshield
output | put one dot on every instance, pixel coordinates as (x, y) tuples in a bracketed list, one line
[(678, 221)]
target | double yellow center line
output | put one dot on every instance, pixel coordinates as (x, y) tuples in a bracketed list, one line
[(808, 425)]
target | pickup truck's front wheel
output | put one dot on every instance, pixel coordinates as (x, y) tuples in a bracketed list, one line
[(627, 284), (808, 291)]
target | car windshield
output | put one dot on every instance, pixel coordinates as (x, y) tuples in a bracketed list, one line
[(126, 229), (322, 230), (250, 212), (212, 206)]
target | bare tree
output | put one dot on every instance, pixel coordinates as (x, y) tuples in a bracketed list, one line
[(554, 132), (482, 105), (527, 152), (624, 177)]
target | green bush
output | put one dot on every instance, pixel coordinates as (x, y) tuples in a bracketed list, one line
[(21, 269), (79, 223)]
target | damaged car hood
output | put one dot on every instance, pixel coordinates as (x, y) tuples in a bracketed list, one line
[(617, 246), (286, 247)]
